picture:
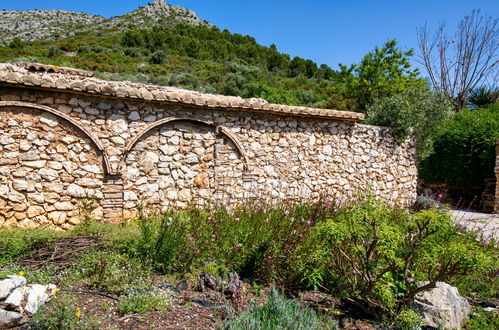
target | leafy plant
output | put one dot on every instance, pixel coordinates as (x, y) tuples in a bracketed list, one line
[(146, 301), (61, 313), (381, 257), (464, 149), (482, 97), (417, 112), (278, 313)]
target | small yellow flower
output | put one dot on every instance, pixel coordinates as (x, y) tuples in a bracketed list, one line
[(78, 308), (78, 314), (21, 273), (57, 290), (337, 312), (326, 309)]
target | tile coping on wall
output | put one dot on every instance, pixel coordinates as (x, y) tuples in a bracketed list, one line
[(80, 81)]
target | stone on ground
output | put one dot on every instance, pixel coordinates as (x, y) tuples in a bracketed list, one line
[(9, 284), (442, 306), (11, 319)]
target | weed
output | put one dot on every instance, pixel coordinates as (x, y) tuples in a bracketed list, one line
[(146, 301)]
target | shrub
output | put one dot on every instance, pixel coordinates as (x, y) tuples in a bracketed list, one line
[(278, 313), (109, 270), (464, 149), (381, 257), (158, 57), (54, 52), (16, 43), (418, 111)]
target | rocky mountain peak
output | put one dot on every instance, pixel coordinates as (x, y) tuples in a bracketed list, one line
[(33, 25)]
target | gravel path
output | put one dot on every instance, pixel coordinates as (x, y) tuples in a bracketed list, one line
[(486, 223)]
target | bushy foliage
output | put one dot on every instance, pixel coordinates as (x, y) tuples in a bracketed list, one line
[(418, 111), (256, 240), (381, 257), (464, 149), (15, 243), (278, 313), (383, 72)]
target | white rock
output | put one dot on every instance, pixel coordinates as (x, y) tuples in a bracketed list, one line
[(76, 191), (64, 206), (10, 319), (130, 196), (11, 283), (38, 295), (442, 306), (92, 169), (49, 119)]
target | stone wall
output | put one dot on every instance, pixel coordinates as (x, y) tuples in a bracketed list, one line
[(62, 149)]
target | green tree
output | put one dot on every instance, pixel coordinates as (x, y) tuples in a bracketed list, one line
[(384, 72)]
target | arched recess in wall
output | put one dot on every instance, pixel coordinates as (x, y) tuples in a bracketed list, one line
[(177, 161), (49, 163), (30, 106), (165, 121)]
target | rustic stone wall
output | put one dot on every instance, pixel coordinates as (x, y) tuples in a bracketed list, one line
[(61, 149)]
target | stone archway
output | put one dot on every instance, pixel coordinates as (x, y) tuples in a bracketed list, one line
[(49, 163), (178, 161)]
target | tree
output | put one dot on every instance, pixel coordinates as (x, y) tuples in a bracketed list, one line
[(381, 73), (457, 65)]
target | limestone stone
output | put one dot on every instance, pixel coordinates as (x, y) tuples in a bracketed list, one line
[(34, 211), (64, 206), (442, 306), (76, 191), (57, 217)]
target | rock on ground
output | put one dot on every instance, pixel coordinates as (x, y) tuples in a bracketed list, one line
[(10, 319), (442, 306), (11, 283)]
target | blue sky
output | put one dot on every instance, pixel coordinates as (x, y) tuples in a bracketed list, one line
[(325, 31)]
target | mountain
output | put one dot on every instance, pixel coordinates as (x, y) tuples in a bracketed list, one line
[(34, 25)]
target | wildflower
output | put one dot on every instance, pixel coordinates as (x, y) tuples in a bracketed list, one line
[(337, 312), (269, 257), (239, 245), (292, 219), (309, 223), (237, 219), (78, 314), (191, 238), (326, 309), (21, 273), (439, 197), (439, 265), (57, 290)]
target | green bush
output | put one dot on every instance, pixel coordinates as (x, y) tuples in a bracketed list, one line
[(381, 257), (158, 57), (278, 313), (464, 149), (418, 111)]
